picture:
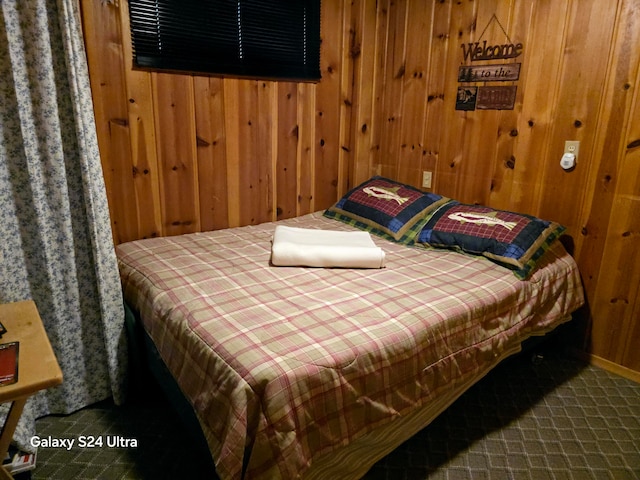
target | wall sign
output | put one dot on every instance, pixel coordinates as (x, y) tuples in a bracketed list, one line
[(489, 73), (483, 97), (476, 52), (496, 98)]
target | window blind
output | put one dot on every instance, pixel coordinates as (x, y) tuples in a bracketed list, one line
[(247, 38)]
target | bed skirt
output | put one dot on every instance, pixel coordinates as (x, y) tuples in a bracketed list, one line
[(346, 462)]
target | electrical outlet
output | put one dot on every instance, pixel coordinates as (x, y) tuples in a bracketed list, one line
[(572, 146), (426, 179)]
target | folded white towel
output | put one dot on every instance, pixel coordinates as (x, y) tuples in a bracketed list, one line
[(324, 248)]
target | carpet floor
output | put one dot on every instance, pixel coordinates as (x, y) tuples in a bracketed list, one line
[(535, 416)]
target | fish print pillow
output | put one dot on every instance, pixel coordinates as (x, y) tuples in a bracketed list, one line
[(514, 240), (386, 208)]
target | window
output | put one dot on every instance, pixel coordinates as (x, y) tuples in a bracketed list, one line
[(247, 38)]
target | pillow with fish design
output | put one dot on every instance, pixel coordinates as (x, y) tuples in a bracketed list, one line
[(511, 239), (386, 208)]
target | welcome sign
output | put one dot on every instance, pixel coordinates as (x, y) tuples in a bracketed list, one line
[(488, 97), (475, 52)]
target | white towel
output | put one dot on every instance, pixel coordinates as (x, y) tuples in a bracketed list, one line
[(324, 248)]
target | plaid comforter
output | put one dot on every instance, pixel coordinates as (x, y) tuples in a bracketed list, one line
[(283, 364)]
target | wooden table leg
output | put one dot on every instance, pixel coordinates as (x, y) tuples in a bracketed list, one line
[(4, 475), (8, 429)]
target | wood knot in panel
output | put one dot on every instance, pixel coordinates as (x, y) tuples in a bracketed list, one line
[(510, 163), (201, 142), (634, 144)]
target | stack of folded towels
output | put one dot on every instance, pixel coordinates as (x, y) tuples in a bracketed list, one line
[(324, 248)]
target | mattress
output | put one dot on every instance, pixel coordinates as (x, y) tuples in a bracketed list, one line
[(288, 367)]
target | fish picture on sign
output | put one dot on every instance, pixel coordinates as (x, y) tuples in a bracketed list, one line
[(466, 98)]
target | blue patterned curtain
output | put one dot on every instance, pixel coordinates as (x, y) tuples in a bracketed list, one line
[(55, 236)]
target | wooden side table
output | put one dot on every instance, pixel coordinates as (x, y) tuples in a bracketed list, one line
[(37, 365)]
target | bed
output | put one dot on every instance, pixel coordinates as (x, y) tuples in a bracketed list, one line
[(306, 372)]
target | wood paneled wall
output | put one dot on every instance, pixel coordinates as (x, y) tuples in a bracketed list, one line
[(186, 153)]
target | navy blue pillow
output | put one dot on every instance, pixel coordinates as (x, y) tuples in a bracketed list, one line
[(386, 208), (512, 239)]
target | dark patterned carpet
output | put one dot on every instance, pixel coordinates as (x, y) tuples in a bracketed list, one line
[(536, 416)]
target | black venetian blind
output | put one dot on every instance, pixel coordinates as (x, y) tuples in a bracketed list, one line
[(245, 38)]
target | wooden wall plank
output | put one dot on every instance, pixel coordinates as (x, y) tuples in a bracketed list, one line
[(122, 191), (255, 167), (615, 208), (414, 97), (379, 75), (176, 143), (306, 148), (509, 121), (479, 143), (287, 151), (328, 106), (610, 145), (363, 53), (390, 118), (232, 149), (616, 296), (590, 27), (539, 75), (435, 105), (629, 193), (250, 160), (143, 141), (145, 178), (462, 21), (345, 153), (211, 153), (106, 71), (631, 357)]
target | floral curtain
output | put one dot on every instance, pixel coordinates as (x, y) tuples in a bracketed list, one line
[(56, 245)]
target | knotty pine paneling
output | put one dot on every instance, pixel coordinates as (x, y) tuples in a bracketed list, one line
[(210, 153), (613, 283), (174, 111), (186, 153)]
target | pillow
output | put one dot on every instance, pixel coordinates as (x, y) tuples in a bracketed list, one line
[(511, 239), (386, 208)]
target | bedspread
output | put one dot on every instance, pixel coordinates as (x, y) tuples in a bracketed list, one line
[(283, 364)]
